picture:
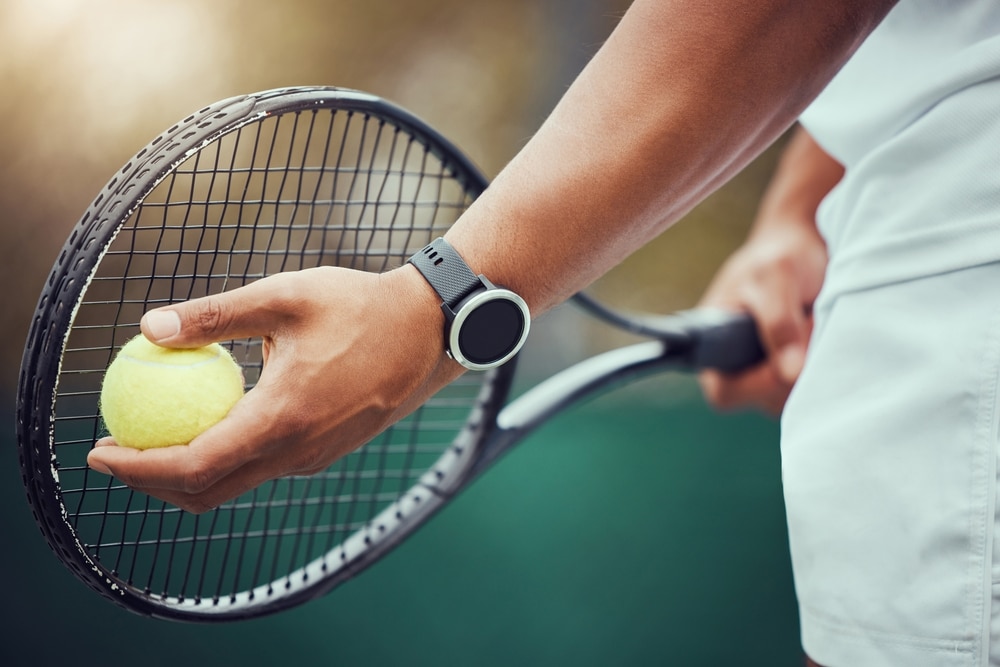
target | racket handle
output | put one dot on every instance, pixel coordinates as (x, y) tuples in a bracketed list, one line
[(722, 340), (691, 340)]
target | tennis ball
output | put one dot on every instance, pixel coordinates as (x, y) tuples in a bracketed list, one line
[(154, 396)]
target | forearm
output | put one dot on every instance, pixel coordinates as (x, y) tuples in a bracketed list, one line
[(677, 101), (804, 176), (682, 96)]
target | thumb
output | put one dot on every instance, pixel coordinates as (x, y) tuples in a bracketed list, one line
[(253, 310)]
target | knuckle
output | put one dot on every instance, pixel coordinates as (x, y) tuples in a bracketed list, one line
[(727, 393), (318, 464), (197, 507), (713, 388), (196, 478), (780, 328), (311, 461), (725, 402), (212, 315), (285, 291), (282, 297), (783, 262)]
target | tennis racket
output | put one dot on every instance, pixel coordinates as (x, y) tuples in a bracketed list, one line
[(279, 181)]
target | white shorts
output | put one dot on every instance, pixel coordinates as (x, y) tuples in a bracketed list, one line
[(889, 463)]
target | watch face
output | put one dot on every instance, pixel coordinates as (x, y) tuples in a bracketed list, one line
[(488, 329), (492, 331)]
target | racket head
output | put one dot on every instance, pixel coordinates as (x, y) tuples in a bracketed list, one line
[(244, 188)]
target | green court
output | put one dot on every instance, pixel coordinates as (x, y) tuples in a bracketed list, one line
[(639, 529)]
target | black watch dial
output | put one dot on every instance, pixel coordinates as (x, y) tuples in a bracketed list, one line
[(491, 331)]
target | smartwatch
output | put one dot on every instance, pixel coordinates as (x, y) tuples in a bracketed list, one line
[(485, 325)]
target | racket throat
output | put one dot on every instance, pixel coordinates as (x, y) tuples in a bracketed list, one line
[(578, 382)]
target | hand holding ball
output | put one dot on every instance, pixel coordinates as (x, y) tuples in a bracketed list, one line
[(154, 396)]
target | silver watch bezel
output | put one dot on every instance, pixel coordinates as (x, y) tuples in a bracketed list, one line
[(471, 304)]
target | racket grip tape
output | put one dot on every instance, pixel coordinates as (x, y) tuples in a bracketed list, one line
[(726, 342)]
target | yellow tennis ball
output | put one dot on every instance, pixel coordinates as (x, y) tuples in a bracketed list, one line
[(154, 396)]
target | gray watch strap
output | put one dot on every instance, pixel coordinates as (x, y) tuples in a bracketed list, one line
[(446, 271)]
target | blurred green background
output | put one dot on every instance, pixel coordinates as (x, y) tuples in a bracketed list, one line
[(639, 529)]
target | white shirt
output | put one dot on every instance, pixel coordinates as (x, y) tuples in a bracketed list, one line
[(914, 116)]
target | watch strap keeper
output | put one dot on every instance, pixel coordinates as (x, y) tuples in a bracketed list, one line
[(446, 271)]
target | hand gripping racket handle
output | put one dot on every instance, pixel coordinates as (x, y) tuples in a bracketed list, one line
[(720, 340), (700, 338)]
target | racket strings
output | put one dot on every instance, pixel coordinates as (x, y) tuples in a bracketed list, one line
[(285, 192)]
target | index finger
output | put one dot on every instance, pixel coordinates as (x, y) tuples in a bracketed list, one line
[(759, 386)]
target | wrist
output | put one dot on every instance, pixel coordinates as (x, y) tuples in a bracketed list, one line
[(786, 233), (485, 325), (419, 306)]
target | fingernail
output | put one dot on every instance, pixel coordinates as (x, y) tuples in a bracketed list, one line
[(790, 362), (162, 324), (97, 466)]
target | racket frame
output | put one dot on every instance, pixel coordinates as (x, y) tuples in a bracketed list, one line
[(492, 428), (56, 311)]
